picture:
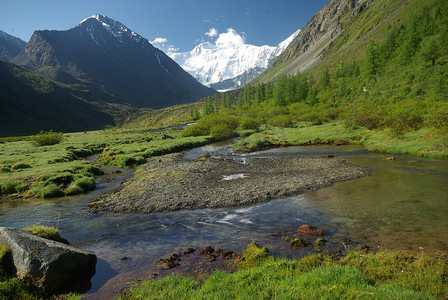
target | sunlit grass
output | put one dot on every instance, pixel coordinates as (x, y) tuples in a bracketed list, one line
[(27, 170), (359, 275), (426, 142)]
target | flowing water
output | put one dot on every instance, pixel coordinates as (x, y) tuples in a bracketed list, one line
[(403, 205)]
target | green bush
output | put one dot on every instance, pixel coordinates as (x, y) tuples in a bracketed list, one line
[(194, 130), (365, 115), (280, 121), (47, 138), (437, 116), (222, 131), (404, 116), (220, 127), (249, 123)]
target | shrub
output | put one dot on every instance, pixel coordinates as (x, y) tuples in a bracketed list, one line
[(20, 166), (218, 126), (365, 115), (193, 130), (403, 117), (280, 121), (47, 138), (249, 123), (437, 116), (221, 131)]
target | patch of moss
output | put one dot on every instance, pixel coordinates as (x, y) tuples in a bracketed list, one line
[(46, 232)]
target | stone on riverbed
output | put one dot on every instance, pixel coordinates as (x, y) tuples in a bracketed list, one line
[(46, 264), (309, 230)]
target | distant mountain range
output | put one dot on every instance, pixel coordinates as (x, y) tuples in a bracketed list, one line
[(100, 67), (114, 59), (224, 67), (10, 45)]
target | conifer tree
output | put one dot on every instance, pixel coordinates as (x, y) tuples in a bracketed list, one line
[(325, 79)]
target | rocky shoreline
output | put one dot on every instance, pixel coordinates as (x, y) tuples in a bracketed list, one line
[(171, 183)]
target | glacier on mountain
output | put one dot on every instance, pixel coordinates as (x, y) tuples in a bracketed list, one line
[(228, 66)]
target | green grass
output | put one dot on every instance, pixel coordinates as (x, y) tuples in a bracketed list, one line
[(359, 275), (27, 170), (47, 232), (311, 135), (426, 142)]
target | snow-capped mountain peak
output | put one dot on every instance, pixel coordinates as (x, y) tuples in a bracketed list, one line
[(115, 28), (228, 66)]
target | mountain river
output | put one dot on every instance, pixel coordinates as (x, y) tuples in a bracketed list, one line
[(403, 205)]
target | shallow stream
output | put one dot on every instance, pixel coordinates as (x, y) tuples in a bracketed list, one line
[(403, 205)]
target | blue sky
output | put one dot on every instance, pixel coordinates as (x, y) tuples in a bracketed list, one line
[(183, 23)]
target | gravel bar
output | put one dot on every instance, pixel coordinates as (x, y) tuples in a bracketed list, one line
[(170, 183)]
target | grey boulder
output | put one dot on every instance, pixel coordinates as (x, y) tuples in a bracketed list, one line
[(52, 266)]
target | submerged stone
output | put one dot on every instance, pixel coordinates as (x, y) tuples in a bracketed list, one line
[(309, 230)]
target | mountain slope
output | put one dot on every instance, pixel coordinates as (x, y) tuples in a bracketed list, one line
[(10, 46), (223, 67), (30, 103), (105, 53), (310, 46)]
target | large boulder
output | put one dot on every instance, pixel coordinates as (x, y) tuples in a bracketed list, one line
[(52, 266)]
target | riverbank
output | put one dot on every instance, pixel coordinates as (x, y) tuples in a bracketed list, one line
[(425, 142), (171, 183), (360, 275)]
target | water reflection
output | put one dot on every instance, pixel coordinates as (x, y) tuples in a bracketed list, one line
[(402, 205)]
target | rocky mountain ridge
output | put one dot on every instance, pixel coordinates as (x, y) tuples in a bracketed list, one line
[(10, 45), (105, 54)]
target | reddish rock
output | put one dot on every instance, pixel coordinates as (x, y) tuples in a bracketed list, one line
[(390, 158), (309, 230)]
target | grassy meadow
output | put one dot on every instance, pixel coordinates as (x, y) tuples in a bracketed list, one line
[(30, 170), (358, 275), (426, 142)]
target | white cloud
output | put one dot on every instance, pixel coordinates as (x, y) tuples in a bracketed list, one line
[(162, 44), (230, 39), (159, 40), (212, 32)]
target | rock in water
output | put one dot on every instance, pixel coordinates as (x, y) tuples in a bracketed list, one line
[(309, 230), (49, 265)]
